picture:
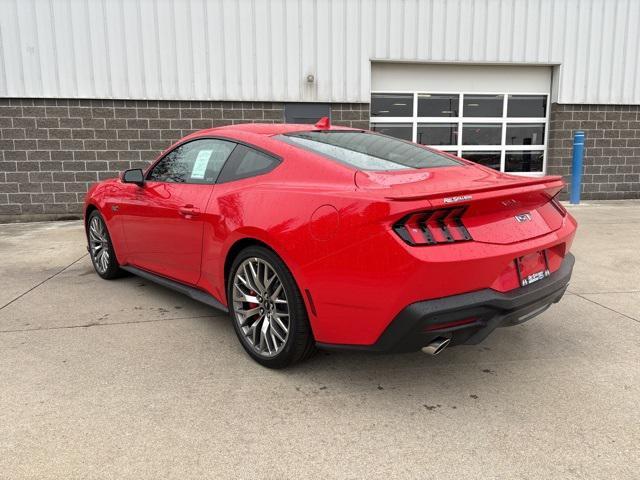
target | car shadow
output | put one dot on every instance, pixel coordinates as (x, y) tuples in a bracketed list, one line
[(461, 370)]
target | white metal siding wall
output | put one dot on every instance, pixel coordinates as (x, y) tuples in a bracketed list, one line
[(264, 49), (433, 77)]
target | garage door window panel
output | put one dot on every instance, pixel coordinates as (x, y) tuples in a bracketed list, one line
[(438, 133), (505, 131), (438, 105), (524, 161), (403, 131), (525, 134), (481, 134), (530, 106), (391, 105), (483, 105)]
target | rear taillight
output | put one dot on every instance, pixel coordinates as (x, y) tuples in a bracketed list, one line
[(558, 206), (433, 227)]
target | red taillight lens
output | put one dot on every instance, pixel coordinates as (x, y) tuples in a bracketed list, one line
[(433, 227)]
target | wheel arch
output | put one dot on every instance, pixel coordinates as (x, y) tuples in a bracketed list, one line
[(242, 243), (87, 213), (115, 232), (236, 248), (298, 276)]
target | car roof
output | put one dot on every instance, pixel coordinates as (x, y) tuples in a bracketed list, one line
[(267, 129), (257, 134)]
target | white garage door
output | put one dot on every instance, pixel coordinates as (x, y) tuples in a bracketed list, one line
[(493, 115)]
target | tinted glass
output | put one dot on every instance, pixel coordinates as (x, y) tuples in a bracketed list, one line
[(437, 133), (481, 134), (483, 105), (438, 105), (246, 162), (306, 112), (525, 134), (368, 151), (398, 130), (527, 106), (391, 105), (199, 161), (488, 159), (523, 161)]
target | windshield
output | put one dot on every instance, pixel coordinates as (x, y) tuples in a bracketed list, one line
[(368, 151)]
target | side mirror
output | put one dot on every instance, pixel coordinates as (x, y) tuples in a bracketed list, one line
[(134, 175)]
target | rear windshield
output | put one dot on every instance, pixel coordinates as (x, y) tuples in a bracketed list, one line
[(368, 151)]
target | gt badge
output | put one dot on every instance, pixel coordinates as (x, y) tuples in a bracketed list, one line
[(510, 203), (523, 217)]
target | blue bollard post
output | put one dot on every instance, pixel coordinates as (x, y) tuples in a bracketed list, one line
[(576, 167)]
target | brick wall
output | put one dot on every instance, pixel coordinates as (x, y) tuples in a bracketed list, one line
[(52, 150), (612, 148)]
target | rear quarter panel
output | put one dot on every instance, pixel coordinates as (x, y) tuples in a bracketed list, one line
[(282, 219)]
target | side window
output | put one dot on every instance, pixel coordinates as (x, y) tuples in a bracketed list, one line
[(199, 161), (246, 162)]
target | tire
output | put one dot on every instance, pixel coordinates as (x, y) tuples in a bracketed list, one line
[(101, 251), (274, 327)]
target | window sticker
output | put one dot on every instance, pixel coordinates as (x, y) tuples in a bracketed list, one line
[(201, 163)]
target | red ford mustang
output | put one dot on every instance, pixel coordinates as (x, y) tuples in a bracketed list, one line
[(335, 237)]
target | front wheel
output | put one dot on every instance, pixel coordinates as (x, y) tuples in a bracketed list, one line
[(103, 256), (268, 312)]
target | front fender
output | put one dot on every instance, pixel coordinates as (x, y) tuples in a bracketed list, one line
[(101, 196)]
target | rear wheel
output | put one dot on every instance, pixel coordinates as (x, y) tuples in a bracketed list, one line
[(101, 249), (268, 312)]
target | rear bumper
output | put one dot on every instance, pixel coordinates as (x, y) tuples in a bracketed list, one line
[(485, 310)]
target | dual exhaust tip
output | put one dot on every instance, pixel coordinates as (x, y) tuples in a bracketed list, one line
[(436, 346)]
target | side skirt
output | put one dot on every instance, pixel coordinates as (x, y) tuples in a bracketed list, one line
[(194, 293)]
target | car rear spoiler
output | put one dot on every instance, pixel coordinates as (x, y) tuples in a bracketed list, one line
[(552, 184)]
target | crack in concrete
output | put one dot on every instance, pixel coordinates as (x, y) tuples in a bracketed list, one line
[(608, 308), (94, 324), (602, 293), (42, 282)]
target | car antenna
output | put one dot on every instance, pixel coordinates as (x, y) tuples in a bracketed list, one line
[(323, 124)]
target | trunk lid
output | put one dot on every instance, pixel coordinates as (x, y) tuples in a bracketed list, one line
[(499, 208)]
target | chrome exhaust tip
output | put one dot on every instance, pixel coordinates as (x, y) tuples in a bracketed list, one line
[(435, 347)]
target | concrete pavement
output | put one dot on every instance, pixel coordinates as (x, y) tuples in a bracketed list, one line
[(125, 379)]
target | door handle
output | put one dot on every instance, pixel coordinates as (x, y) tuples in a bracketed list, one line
[(189, 211)]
